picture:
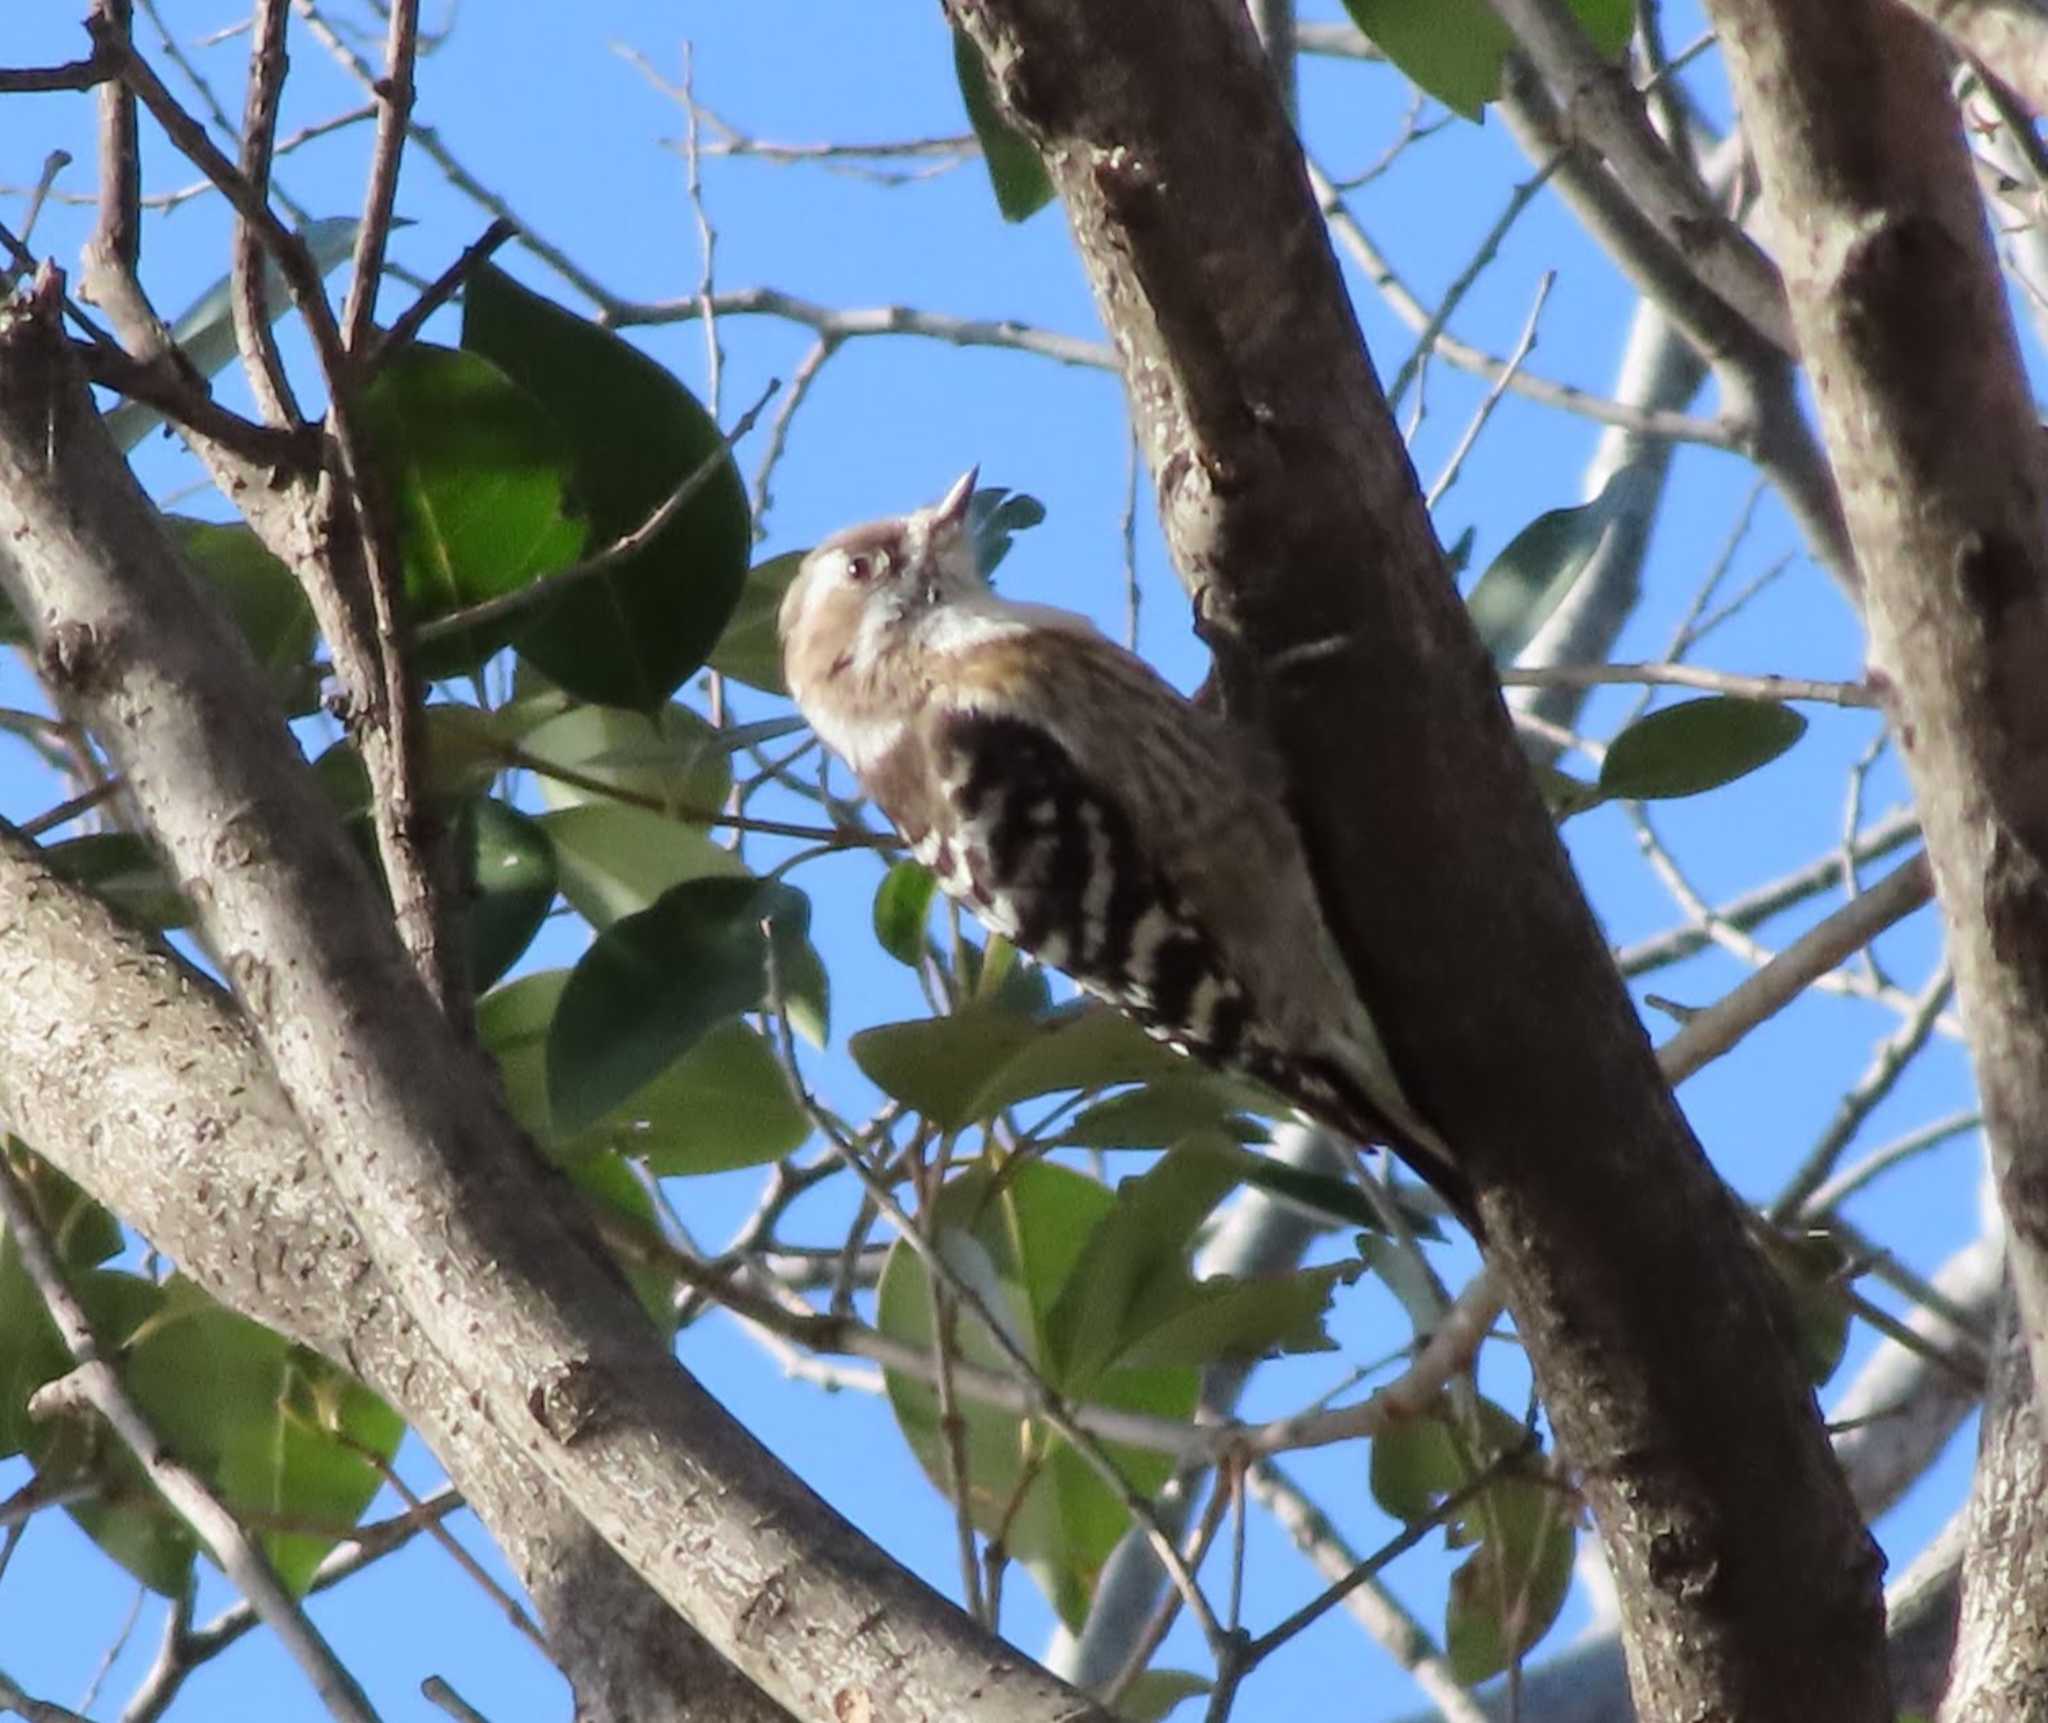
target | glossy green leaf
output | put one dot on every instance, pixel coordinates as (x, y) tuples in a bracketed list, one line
[(725, 1103), (205, 329), (627, 637), (615, 860), (1017, 1239), (673, 760), (903, 905), (1542, 562), (260, 1420), (1455, 49), (480, 477), (266, 602), (263, 1420), (508, 873), (512, 1023), (1015, 172), (124, 870), (652, 983), (1695, 746), (750, 650), (963, 1069)]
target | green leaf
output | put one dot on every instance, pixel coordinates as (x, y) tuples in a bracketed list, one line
[(607, 1182), (1160, 1113), (1563, 793), (652, 983), (1696, 745), (206, 327), (903, 903), (1015, 170), (480, 477), (124, 870), (616, 860), (1505, 1598), (266, 602), (725, 1103), (673, 759), (257, 1418), (1156, 1692), (512, 1025), (750, 649), (966, 1068), (1455, 49), (1522, 1527), (508, 871), (627, 637), (1017, 1237), (1529, 579), (1131, 1299)]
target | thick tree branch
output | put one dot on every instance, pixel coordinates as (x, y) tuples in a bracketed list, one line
[(475, 1238), (1293, 515), (185, 1131), (1933, 434)]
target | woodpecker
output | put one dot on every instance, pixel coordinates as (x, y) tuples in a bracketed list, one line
[(1077, 804)]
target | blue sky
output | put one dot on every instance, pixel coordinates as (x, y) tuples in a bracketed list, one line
[(541, 103)]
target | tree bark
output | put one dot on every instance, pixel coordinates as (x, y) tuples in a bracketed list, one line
[(2000, 1666), (1749, 1587), (137, 1079), (1933, 434), (478, 1244)]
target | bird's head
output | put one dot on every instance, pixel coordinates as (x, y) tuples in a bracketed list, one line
[(861, 593)]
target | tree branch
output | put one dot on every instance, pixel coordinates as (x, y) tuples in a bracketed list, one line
[(470, 1231), (1293, 515)]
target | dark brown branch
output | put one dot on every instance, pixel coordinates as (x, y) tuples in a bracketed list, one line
[(406, 327), (72, 75), (1294, 516)]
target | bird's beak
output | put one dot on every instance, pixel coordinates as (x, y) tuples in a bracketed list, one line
[(952, 507)]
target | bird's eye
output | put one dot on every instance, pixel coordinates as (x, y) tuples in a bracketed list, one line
[(863, 566)]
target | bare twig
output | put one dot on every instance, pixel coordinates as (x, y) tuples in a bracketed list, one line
[(394, 95), (1721, 1025), (406, 327), (1888, 1063), (1781, 688), (253, 332)]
